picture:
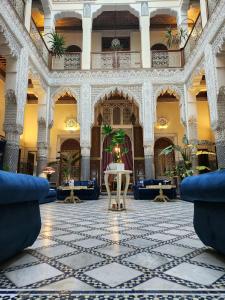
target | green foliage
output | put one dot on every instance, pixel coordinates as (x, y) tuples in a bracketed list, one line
[(184, 168), (175, 37), (5, 168), (57, 44), (117, 141), (68, 161)]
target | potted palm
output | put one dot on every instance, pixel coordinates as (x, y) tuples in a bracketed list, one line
[(116, 146), (57, 44)]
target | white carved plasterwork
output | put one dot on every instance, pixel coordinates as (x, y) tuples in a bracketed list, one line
[(219, 41), (12, 43), (36, 77), (148, 113), (198, 72), (133, 91), (175, 90), (211, 82), (85, 115)]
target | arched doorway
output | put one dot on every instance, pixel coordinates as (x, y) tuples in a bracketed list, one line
[(163, 163), (70, 159), (120, 111)]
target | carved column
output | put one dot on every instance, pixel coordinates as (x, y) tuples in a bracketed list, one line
[(148, 110), (27, 18), (87, 32), (192, 126), (15, 98), (219, 128), (85, 129), (182, 20), (42, 146), (85, 163), (49, 27), (145, 35), (149, 161), (204, 13)]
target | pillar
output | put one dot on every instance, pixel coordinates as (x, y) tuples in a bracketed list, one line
[(49, 27), (85, 163), (192, 126), (182, 21), (149, 161), (204, 12), (42, 146), (86, 42), (219, 128), (28, 11), (85, 117), (16, 83), (145, 36)]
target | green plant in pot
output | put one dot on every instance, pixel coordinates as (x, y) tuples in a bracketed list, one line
[(57, 44), (117, 145), (68, 161), (188, 153)]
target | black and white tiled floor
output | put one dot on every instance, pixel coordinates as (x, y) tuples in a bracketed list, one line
[(86, 252)]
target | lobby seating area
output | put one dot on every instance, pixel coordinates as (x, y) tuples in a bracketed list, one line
[(143, 191)]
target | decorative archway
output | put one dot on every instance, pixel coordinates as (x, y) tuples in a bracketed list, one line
[(163, 163), (175, 90), (69, 149)]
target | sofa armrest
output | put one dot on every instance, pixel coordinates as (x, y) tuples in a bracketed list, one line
[(16, 188)]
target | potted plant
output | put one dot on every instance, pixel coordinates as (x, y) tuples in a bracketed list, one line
[(68, 161), (57, 44), (116, 147), (185, 166)]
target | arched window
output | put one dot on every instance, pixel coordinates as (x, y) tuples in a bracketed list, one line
[(159, 46), (116, 116), (73, 48)]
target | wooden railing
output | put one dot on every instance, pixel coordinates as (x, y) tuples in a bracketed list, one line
[(68, 61), (167, 58), (116, 60), (193, 38), (39, 42)]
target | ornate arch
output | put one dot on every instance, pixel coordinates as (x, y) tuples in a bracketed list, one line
[(133, 92), (14, 46), (196, 76), (163, 11), (219, 41), (131, 8), (67, 14), (175, 90)]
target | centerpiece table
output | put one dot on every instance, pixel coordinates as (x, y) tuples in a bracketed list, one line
[(119, 202)]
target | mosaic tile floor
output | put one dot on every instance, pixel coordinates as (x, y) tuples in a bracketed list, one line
[(86, 252)]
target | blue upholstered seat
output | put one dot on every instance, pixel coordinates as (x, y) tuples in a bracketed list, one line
[(141, 193), (20, 221), (207, 192)]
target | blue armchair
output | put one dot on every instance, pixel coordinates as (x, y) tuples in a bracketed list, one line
[(207, 192), (20, 220), (91, 193), (142, 193)]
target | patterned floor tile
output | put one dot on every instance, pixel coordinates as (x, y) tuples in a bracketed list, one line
[(80, 260), (114, 250), (148, 260), (157, 283), (68, 284), (56, 250), (195, 273), (113, 274)]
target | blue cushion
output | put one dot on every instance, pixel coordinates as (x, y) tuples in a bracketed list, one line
[(16, 188), (209, 187)]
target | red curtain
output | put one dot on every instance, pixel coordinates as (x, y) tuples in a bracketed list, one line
[(127, 158)]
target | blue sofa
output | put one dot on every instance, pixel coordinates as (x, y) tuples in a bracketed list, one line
[(20, 220), (51, 197), (141, 193), (91, 193), (207, 192)]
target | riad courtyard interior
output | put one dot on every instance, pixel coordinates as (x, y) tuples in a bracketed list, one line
[(112, 149)]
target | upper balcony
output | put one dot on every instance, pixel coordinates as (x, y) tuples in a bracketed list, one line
[(122, 26)]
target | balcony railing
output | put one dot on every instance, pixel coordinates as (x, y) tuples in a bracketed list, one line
[(69, 61), (19, 6), (193, 38), (167, 58), (116, 60), (39, 42)]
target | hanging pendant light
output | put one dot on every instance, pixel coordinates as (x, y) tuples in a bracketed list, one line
[(115, 44)]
